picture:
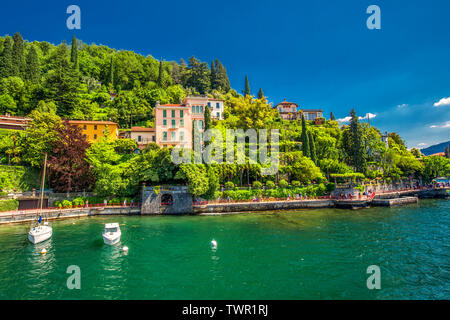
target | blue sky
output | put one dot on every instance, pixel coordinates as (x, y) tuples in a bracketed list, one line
[(316, 53)]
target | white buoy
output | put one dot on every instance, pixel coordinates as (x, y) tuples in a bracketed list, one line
[(214, 244), (125, 249), (44, 251)]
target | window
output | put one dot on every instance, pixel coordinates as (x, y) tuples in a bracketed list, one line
[(181, 123), (95, 136), (95, 127), (165, 135), (200, 124), (164, 113), (201, 109), (84, 127), (217, 105), (173, 123), (164, 122), (218, 114), (139, 138), (181, 136), (193, 109), (174, 135), (173, 113), (153, 138), (181, 113), (209, 104)]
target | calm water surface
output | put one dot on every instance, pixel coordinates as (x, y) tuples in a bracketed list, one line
[(304, 254)]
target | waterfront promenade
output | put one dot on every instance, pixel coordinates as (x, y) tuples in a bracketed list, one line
[(388, 198)]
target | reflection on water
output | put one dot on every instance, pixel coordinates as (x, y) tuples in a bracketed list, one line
[(316, 254)]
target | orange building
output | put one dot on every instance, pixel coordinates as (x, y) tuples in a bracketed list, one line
[(95, 130)]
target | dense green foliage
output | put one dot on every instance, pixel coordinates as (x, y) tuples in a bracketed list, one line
[(49, 83)]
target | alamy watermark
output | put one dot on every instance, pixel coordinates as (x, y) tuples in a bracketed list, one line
[(374, 281), (210, 149), (374, 21), (74, 280), (74, 20)]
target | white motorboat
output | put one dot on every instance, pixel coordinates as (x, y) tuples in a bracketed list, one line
[(111, 233), (40, 233)]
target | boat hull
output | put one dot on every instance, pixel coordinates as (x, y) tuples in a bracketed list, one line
[(111, 239), (40, 234)]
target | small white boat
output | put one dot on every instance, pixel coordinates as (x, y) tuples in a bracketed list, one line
[(40, 233), (111, 233)]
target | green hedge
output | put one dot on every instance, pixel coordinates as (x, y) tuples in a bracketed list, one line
[(9, 205), (310, 191)]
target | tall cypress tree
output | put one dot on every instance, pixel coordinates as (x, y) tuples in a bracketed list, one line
[(213, 76), (247, 87), (207, 115), (33, 70), (260, 94), (332, 117), (312, 147), (74, 53), (160, 75), (357, 152), (305, 141), (6, 62), (18, 58)]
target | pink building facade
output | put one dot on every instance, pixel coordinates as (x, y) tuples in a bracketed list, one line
[(174, 122), (287, 110)]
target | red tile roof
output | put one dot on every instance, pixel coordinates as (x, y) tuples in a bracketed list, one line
[(142, 129), (91, 122)]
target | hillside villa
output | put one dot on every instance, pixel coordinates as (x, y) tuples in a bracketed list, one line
[(93, 131)]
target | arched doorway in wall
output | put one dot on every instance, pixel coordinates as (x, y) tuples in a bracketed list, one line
[(166, 199)]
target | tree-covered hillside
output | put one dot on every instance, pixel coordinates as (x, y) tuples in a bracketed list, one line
[(78, 79)]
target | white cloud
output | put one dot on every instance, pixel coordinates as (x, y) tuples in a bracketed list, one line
[(443, 126), (347, 119), (400, 106), (443, 102), (423, 144)]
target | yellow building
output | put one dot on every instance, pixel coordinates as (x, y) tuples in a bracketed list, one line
[(95, 130)]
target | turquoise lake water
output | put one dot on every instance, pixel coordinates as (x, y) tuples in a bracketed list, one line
[(304, 254)]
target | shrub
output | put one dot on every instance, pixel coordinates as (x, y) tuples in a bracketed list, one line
[(283, 183), (330, 187), (9, 205), (66, 204), (270, 184), (56, 203), (229, 185), (296, 183), (78, 202), (257, 185)]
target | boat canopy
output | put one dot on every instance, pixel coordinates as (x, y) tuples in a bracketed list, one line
[(111, 225)]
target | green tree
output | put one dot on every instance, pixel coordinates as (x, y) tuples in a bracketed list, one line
[(221, 81), (74, 53), (260, 94), (357, 152), (332, 117), (40, 137), (160, 74), (61, 82), (18, 57), (312, 147), (214, 84), (198, 76), (33, 69), (247, 87), (6, 60), (111, 72), (304, 137)]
